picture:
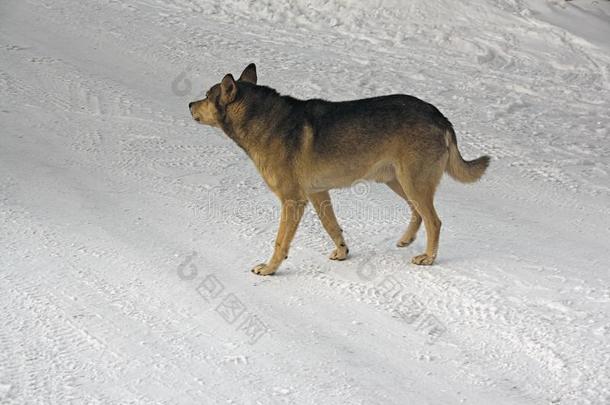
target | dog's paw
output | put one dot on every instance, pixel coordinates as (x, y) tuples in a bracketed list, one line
[(263, 270), (404, 242), (339, 253), (423, 260)]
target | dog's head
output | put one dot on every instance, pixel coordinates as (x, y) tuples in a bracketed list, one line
[(212, 109)]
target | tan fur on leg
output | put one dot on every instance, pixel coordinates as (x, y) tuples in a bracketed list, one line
[(292, 212), (411, 233), (421, 193), (323, 206)]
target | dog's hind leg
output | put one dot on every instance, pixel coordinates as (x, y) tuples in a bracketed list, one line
[(292, 212), (420, 191), (411, 233), (321, 203)]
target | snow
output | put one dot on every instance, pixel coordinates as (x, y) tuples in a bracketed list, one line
[(128, 231)]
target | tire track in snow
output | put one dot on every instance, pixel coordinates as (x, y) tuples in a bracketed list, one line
[(470, 308)]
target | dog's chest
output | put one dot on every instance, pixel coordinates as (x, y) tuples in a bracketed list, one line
[(270, 169)]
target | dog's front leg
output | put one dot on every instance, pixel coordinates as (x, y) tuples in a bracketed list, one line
[(291, 214), (324, 208)]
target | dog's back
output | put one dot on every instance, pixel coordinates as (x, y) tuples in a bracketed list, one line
[(357, 125)]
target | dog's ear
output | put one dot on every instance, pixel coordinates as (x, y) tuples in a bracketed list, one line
[(228, 89), (249, 74)]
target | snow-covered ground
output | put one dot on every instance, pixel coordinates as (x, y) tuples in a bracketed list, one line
[(128, 232)]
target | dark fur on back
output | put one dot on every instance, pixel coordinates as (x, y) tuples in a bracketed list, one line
[(372, 118)]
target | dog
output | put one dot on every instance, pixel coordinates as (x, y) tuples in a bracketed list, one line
[(304, 148)]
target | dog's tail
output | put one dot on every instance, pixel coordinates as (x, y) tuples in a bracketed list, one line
[(465, 171)]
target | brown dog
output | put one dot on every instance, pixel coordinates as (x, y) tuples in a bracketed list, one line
[(303, 148)]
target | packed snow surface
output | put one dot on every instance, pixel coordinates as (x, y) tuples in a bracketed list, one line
[(128, 231)]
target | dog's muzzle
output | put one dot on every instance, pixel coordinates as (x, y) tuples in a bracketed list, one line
[(191, 110)]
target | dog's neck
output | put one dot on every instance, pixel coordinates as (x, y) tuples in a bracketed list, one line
[(252, 121)]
